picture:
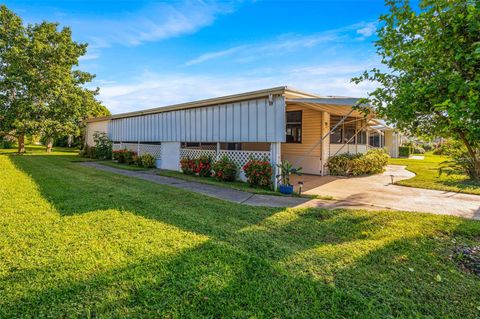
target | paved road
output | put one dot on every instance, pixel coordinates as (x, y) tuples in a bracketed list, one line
[(372, 192)]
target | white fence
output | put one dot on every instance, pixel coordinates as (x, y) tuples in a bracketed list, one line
[(153, 149)]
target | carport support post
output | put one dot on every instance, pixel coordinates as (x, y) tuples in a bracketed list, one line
[(275, 158), (325, 147)]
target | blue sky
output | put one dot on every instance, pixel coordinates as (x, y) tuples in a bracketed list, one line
[(149, 54)]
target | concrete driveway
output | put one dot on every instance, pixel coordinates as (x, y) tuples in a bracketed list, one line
[(378, 191)]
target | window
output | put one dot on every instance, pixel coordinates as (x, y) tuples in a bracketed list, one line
[(349, 135), (190, 145), (347, 131), (374, 140), (234, 146), (294, 127), (362, 137)]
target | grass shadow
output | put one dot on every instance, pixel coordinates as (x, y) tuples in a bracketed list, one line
[(216, 280), (246, 261)]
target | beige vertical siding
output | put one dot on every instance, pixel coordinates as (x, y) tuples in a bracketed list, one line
[(92, 127), (311, 132), (296, 153)]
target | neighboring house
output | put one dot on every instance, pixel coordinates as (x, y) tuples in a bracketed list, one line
[(385, 136), (277, 123)]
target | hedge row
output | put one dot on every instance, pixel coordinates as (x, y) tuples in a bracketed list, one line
[(373, 162), (258, 172), (131, 158)]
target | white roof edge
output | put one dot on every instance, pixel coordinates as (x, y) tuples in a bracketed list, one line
[(280, 90)]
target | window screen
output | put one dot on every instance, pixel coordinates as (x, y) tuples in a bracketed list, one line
[(294, 127)]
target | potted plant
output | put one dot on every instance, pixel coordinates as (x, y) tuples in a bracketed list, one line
[(286, 170)]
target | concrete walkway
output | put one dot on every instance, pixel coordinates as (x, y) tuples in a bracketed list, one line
[(371, 192), (378, 190), (229, 194)]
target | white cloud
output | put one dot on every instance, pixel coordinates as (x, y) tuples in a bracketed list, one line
[(214, 55), (153, 23), (156, 90), (281, 45), (368, 30), (91, 55)]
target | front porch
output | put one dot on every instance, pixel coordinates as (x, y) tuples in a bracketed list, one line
[(318, 129)]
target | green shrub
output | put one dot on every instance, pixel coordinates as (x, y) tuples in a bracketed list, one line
[(427, 147), (225, 170), (137, 160), (373, 162), (286, 171), (342, 165), (92, 153), (119, 155), (86, 152), (404, 151), (204, 166), (103, 146), (201, 166), (188, 166), (461, 163), (130, 157), (418, 150), (148, 161), (7, 143), (448, 147), (258, 173), (124, 156)]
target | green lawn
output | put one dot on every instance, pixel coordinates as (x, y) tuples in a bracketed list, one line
[(77, 242), (427, 175)]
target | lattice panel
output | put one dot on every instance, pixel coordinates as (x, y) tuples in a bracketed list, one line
[(128, 146), (193, 153), (240, 158), (152, 149)]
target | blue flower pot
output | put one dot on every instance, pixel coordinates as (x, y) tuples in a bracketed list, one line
[(286, 189)]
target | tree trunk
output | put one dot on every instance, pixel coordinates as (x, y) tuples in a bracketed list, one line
[(69, 141), (473, 155), (49, 144), (21, 143)]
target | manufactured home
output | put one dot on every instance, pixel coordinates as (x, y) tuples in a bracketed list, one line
[(277, 124)]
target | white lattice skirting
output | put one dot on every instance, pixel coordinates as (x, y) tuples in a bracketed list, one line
[(193, 153), (240, 158), (153, 149)]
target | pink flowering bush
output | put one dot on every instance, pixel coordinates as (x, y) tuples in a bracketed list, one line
[(258, 173)]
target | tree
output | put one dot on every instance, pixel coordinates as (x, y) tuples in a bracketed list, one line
[(40, 91), (16, 113), (432, 82)]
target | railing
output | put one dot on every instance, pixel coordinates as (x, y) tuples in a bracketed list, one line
[(348, 149)]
